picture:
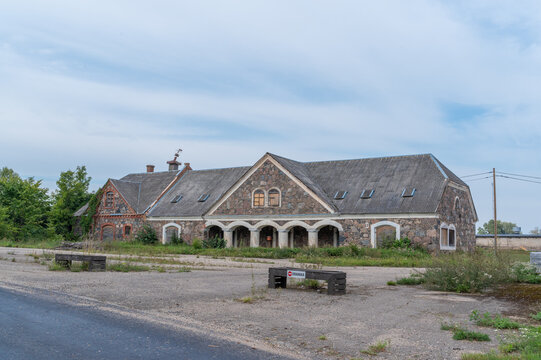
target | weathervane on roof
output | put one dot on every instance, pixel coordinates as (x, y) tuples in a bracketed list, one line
[(177, 154), (173, 164)]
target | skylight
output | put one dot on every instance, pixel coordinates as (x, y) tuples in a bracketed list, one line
[(367, 193), (340, 195), (176, 199), (408, 192), (203, 197)]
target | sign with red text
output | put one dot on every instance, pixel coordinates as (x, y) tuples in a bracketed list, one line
[(296, 274)]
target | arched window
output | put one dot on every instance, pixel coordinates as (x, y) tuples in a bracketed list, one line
[(457, 208), (258, 198), (447, 237), (274, 197), (109, 199)]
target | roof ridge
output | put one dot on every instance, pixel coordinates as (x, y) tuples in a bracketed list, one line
[(370, 158)]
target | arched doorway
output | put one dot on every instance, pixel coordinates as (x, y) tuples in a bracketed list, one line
[(267, 237), (215, 231), (298, 237), (108, 232), (241, 236), (384, 232), (327, 236)]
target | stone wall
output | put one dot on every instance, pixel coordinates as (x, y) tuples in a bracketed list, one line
[(189, 229), (509, 241), (420, 231), (118, 222), (294, 200), (462, 216)]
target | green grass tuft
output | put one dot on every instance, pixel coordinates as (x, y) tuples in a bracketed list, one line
[(494, 321), (377, 348), (462, 334)]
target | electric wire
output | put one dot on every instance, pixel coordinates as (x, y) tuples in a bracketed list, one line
[(465, 176), (513, 178), (526, 176), (470, 180)]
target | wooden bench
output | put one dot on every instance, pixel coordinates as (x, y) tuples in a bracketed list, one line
[(336, 280), (95, 262)]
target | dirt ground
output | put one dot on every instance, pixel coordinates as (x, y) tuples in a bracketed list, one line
[(304, 324)]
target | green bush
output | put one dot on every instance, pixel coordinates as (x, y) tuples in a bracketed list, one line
[(467, 272), (525, 273), (214, 242), (147, 235), (196, 243)]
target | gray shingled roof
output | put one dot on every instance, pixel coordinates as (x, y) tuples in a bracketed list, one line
[(388, 176), (82, 210), (140, 190), (191, 186)]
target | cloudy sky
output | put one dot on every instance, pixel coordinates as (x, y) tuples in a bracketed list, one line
[(116, 85)]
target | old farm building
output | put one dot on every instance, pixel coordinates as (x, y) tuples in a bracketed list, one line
[(279, 202)]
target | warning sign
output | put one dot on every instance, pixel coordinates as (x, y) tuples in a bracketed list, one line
[(296, 274)]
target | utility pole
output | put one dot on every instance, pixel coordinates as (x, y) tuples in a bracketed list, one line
[(495, 218)]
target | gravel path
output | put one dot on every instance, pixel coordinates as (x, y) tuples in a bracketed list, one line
[(286, 321)]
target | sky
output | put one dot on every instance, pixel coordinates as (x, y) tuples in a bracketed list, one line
[(116, 85)]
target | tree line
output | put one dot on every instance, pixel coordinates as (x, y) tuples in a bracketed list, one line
[(29, 211)]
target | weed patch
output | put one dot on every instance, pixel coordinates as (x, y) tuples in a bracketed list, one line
[(494, 321), (377, 348), (462, 334), (127, 267), (54, 266), (411, 280)]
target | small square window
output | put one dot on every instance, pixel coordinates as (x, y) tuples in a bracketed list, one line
[(408, 192), (340, 195), (203, 197), (367, 193)]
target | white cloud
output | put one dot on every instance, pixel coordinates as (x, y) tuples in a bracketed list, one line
[(118, 85)]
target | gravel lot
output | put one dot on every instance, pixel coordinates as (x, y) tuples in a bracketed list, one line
[(286, 321)]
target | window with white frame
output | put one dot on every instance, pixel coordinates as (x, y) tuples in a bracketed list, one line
[(447, 237), (259, 198), (274, 197)]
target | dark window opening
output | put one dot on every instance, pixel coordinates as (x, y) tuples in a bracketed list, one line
[(408, 192), (367, 194), (127, 230), (451, 237), (340, 195), (203, 197)]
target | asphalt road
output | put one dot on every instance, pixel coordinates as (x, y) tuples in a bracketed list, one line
[(35, 328)]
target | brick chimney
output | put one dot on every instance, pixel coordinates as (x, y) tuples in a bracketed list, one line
[(150, 168)]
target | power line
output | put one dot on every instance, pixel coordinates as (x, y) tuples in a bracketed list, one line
[(513, 178), (488, 172), (470, 180), (526, 176)]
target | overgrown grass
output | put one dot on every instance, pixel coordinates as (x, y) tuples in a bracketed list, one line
[(459, 333), (527, 343), (54, 266), (495, 321), (127, 267), (415, 279), (36, 244), (462, 334), (536, 316), (476, 271)]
